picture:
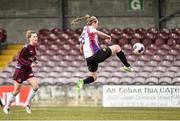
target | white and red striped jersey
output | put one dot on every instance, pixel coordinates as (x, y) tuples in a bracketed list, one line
[(90, 41)]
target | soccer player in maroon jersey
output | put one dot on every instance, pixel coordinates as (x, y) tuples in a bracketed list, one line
[(23, 71)]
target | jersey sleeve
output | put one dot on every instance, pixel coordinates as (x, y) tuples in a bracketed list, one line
[(82, 37)]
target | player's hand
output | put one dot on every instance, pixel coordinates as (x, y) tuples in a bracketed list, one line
[(36, 62), (81, 51), (108, 39)]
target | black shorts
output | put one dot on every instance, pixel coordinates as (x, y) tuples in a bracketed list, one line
[(100, 56)]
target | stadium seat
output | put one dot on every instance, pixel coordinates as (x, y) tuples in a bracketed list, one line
[(152, 63), (171, 42), (160, 69), (134, 40), (113, 81), (41, 75), (130, 75), (168, 58), (165, 31), (165, 47), (177, 63), (117, 74), (162, 36), (155, 74), (5, 75), (104, 74), (141, 31), (138, 81), (122, 41), (176, 30), (159, 42), (101, 80), (53, 75), (137, 68), (174, 36), (165, 81), (147, 69), (127, 47), (149, 52), (165, 63), (161, 52), (168, 74), (156, 58), (131, 58), (139, 63), (146, 42), (142, 74), (79, 31), (116, 31), (152, 47), (176, 81), (152, 81), (125, 36), (47, 81), (128, 30), (44, 32), (125, 81), (8, 81), (153, 30), (177, 74), (173, 69), (149, 36), (173, 52)]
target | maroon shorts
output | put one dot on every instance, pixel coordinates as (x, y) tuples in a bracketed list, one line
[(22, 74)]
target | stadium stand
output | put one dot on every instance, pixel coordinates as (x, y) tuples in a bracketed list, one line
[(61, 63)]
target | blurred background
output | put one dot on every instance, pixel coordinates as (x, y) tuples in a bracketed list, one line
[(155, 23)]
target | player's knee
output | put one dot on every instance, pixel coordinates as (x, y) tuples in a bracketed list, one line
[(117, 48), (35, 88), (16, 92), (94, 76)]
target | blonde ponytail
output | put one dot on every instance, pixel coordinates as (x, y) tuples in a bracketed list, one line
[(77, 20)]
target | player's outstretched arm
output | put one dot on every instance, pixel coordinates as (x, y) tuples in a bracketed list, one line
[(108, 37), (102, 34)]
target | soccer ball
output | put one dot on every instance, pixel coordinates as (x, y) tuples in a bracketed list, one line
[(138, 48)]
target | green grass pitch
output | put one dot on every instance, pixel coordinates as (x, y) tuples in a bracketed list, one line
[(92, 113)]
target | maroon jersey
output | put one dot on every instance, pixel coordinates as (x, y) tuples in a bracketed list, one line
[(23, 69), (27, 55)]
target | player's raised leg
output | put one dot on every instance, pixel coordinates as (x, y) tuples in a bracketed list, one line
[(116, 49)]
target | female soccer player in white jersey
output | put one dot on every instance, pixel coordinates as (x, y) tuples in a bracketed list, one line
[(93, 53)]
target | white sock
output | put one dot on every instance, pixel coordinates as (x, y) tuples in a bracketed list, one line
[(10, 100), (31, 95)]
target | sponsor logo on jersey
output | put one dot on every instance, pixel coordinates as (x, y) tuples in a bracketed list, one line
[(104, 49), (31, 74)]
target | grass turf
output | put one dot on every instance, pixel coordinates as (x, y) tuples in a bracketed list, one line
[(92, 113)]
